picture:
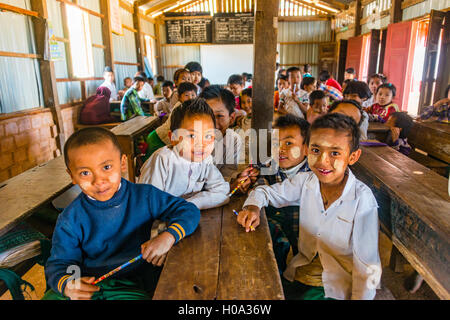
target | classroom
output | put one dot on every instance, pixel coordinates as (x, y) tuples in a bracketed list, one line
[(224, 150)]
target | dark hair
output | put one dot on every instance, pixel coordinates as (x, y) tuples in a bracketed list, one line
[(358, 87), (138, 78), (324, 75), (87, 136), (185, 87), (224, 95), (292, 69), (188, 109), (353, 102), (404, 121), (306, 81), (247, 92), (160, 78), (142, 74), (108, 69), (389, 86), (338, 122), (282, 77), (306, 68), (446, 91), (126, 79), (236, 79), (194, 66), (346, 81), (167, 83), (350, 70), (316, 95), (289, 120), (178, 73), (380, 76)]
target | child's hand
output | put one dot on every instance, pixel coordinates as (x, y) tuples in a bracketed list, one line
[(249, 218), (250, 175), (395, 132), (81, 289), (154, 251)]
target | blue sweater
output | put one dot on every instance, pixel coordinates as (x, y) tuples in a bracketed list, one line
[(99, 236)]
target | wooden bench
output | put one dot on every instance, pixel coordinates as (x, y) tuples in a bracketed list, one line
[(414, 210), (377, 131), (21, 195), (432, 139), (128, 132), (108, 126), (221, 261)]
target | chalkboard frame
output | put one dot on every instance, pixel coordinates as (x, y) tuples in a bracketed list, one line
[(218, 16), (186, 19)]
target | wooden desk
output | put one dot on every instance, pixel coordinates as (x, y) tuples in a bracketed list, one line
[(378, 131), (22, 194), (414, 209), (221, 261), (433, 138), (128, 132)]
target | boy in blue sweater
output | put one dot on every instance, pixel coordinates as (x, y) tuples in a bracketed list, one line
[(109, 223)]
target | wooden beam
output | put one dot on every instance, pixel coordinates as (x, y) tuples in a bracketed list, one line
[(158, 46), (264, 55), (129, 28), (107, 33), (123, 63), (396, 11), (304, 18), (358, 15), (7, 7), (140, 3), (99, 15), (159, 7), (67, 46), (47, 69), (20, 55), (409, 3), (139, 39)]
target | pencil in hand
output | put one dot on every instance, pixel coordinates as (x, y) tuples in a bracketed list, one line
[(237, 213)]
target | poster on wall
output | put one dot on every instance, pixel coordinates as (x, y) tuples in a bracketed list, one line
[(56, 51), (116, 20)]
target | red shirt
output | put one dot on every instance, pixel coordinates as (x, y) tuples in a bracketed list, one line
[(334, 83), (383, 112)]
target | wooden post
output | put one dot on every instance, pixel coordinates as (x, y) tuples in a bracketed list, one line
[(396, 11), (67, 44), (264, 55), (47, 68), (358, 14), (107, 34), (158, 47), (139, 39)]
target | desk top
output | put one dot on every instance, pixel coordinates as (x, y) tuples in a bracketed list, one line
[(134, 126), (30, 189), (377, 127), (221, 261)]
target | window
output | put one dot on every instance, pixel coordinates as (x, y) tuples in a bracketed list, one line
[(80, 42)]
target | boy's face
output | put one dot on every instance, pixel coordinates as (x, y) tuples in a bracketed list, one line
[(311, 87), (246, 104), (184, 77), (384, 96), (291, 149), (320, 106), (139, 85), (167, 92), (128, 83), (196, 77), (349, 110), (194, 140), (348, 76), (223, 117), (329, 155), (282, 84), (374, 83), (187, 95), (295, 77), (109, 77), (236, 88), (97, 169)]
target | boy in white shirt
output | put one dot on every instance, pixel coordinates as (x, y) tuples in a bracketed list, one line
[(338, 231), (109, 82), (186, 169), (147, 91)]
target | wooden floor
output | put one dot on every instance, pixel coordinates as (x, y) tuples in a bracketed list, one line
[(391, 282)]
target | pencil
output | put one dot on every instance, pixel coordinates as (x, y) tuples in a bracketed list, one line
[(236, 189), (126, 264), (237, 213)]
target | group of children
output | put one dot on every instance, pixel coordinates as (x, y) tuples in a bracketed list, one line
[(323, 220)]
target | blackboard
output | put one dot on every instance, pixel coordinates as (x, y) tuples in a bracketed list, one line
[(189, 31), (233, 28)]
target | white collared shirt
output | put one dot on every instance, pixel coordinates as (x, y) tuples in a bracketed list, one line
[(147, 92), (345, 235), (226, 154), (112, 87), (198, 182)]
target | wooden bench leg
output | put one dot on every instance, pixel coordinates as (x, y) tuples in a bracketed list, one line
[(396, 261)]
